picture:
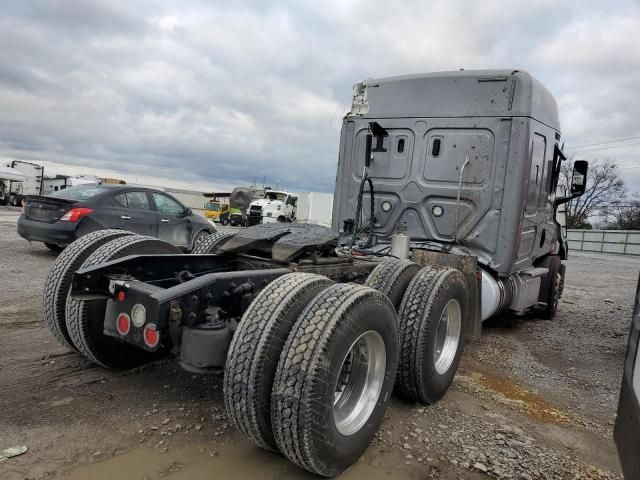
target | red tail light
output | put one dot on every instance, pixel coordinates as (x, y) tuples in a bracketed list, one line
[(151, 335), (123, 324), (76, 214)]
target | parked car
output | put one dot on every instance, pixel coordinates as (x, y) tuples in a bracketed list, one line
[(61, 217)]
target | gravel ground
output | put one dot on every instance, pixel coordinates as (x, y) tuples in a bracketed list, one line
[(534, 399)]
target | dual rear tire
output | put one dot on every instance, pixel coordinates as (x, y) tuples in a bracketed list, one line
[(312, 364), (432, 307), (79, 325), (311, 368)]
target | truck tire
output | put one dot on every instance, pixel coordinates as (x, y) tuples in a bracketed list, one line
[(85, 318), (211, 242), (430, 332), (551, 286), (392, 277), (255, 350), (334, 378), (58, 282), (199, 238)]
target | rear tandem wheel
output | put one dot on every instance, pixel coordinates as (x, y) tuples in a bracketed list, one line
[(58, 282), (85, 318)]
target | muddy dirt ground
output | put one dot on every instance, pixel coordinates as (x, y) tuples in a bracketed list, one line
[(533, 398)]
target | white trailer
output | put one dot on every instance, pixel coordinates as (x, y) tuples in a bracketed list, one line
[(315, 207), (8, 175), (30, 185), (60, 182)]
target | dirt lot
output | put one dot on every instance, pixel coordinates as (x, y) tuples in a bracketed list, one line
[(534, 398)]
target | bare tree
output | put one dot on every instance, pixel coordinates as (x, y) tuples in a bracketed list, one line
[(604, 187), (624, 214)]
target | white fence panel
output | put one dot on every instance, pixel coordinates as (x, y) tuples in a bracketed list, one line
[(624, 242)]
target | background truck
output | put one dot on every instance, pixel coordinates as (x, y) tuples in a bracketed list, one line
[(218, 207), (30, 185), (60, 182), (444, 215), (276, 206), (314, 207), (8, 175)]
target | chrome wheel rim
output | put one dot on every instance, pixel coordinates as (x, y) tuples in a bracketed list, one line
[(447, 336), (359, 382)]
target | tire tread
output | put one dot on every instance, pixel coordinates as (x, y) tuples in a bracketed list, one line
[(247, 361), (58, 281)]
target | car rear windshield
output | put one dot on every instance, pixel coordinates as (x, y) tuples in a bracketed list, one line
[(81, 192)]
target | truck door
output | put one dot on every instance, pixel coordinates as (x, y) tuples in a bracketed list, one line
[(290, 207), (133, 212), (174, 226), (627, 429)]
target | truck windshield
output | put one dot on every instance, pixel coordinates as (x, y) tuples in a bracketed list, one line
[(213, 207), (276, 196), (81, 192)]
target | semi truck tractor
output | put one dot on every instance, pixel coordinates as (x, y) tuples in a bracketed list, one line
[(30, 184), (276, 206), (444, 215)]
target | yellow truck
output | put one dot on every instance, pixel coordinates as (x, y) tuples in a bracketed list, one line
[(214, 209)]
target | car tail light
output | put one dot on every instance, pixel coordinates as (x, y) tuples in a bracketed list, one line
[(76, 214), (123, 324), (151, 336)]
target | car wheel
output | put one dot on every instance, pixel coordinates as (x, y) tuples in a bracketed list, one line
[(54, 247)]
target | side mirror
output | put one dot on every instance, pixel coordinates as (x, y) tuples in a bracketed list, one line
[(579, 177), (188, 212)]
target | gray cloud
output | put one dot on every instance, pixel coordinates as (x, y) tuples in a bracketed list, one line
[(204, 92)]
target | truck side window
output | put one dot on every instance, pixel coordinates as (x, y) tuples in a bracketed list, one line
[(536, 175), (436, 147)]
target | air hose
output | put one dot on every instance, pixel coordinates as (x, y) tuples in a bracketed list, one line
[(365, 179)]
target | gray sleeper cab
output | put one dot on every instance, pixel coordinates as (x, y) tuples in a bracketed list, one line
[(469, 160)]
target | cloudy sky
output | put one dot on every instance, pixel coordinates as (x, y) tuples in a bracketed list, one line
[(209, 93)]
